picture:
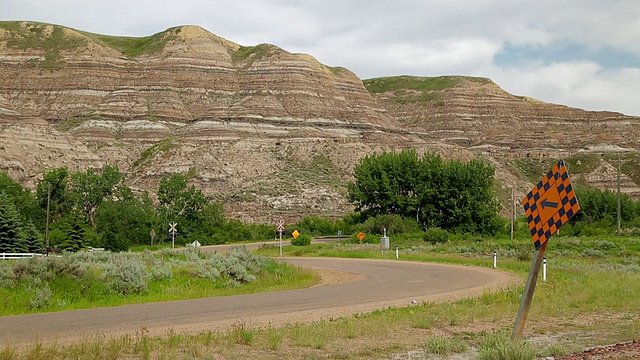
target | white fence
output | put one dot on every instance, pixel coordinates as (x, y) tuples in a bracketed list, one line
[(13, 256)]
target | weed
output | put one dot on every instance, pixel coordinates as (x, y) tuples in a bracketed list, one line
[(241, 334), (498, 346), (275, 338), (443, 345)]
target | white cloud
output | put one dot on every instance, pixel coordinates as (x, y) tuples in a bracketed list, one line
[(382, 38)]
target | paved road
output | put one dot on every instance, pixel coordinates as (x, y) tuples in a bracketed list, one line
[(381, 283)]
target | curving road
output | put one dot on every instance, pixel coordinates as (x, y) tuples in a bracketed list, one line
[(376, 284)]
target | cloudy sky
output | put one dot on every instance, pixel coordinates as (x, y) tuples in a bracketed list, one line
[(581, 53)]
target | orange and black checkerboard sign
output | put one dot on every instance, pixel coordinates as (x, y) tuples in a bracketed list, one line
[(550, 204)]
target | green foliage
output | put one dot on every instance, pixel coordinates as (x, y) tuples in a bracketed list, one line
[(52, 192), (137, 46), (249, 54), (443, 345), (394, 224), (123, 224), (302, 240), (448, 194), (184, 205), (318, 226), (436, 235), (89, 189), (33, 242), (411, 89), (499, 346), (51, 39), (85, 279), (10, 226), (159, 148), (23, 199), (75, 239)]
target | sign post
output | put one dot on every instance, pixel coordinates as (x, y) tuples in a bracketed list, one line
[(548, 206), (172, 231), (280, 229)]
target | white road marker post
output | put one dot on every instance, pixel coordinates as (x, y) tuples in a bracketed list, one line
[(495, 259), (397, 253), (544, 269)]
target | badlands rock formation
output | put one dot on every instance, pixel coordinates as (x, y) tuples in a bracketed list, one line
[(267, 132)]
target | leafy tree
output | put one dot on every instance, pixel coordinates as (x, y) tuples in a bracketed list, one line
[(449, 195), (23, 199), (10, 226), (52, 189), (89, 189), (179, 203), (124, 223)]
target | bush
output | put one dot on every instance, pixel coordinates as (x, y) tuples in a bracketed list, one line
[(302, 240), (395, 224), (500, 347), (436, 236)]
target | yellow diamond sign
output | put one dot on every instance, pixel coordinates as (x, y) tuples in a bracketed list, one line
[(295, 234)]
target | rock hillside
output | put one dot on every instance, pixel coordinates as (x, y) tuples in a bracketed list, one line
[(267, 132)]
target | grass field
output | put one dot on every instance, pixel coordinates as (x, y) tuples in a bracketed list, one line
[(589, 298)]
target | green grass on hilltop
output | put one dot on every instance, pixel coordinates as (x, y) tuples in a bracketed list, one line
[(51, 39), (251, 53), (412, 89), (136, 46)]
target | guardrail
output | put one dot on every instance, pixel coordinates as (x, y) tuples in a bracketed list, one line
[(13, 256)]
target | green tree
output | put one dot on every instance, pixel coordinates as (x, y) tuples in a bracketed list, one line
[(124, 223), (89, 189), (437, 193), (33, 242), (52, 190), (76, 239), (180, 203), (23, 200), (10, 226)]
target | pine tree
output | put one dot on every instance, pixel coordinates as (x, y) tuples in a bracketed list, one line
[(33, 240), (75, 241), (10, 226)]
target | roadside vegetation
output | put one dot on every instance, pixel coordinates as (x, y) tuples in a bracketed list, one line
[(590, 296), (100, 279), (586, 301)]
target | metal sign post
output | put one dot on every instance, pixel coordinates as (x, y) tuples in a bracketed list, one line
[(548, 206), (172, 230), (280, 229), (529, 288)]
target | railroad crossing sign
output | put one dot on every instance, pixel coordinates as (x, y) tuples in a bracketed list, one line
[(550, 204), (172, 227), (295, 234), (361, 236), (280, 225)]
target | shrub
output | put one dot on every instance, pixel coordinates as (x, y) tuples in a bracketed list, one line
[(302, 240), (436, 236), (126, 275), (41, 297), (500, 347), (395, 224)]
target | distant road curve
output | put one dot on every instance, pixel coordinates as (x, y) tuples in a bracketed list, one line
[(378, 284)]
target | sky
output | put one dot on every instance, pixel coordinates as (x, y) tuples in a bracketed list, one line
[(579, 53)]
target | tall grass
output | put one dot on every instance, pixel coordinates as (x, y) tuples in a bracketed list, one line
[(582, 296), (84, 280)]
